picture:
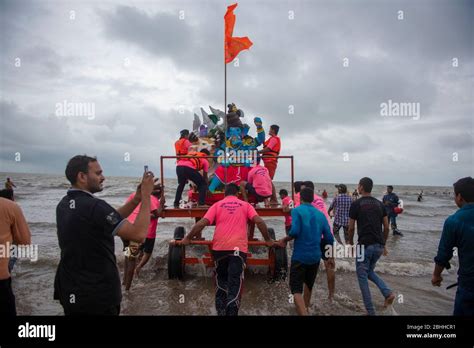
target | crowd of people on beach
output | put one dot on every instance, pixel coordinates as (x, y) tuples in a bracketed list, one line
[(88, 282)]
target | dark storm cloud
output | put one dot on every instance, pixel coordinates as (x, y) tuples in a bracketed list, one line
[(161, 34), (293, 64), (299, 63)]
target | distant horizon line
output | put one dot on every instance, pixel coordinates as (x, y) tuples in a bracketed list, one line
[(166, 178)]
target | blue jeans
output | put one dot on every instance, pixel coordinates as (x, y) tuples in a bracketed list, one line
[(464, 302), (393, 221), (365, 271), (11, 263)]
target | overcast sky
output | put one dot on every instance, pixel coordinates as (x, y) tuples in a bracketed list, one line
[(147, 66)]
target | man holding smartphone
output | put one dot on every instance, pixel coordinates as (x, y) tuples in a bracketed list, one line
[(87, 280)]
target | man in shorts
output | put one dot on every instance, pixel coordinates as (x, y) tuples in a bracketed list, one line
[(308, 227), (319, 204), (157, 203)]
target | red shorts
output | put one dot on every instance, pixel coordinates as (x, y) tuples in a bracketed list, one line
[(271, 166)]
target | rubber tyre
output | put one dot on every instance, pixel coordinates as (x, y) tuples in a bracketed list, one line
[(281, 260), (176, 256)]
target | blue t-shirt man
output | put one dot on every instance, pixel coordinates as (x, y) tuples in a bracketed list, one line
[(308, 227)]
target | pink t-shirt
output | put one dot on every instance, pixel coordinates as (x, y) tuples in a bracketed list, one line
[(297, 199), (260, 180), (154, 204), (319, 204), (230, 216), (188, 163), (287, 202)]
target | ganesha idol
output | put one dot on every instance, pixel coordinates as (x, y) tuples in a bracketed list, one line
[(241, 148)]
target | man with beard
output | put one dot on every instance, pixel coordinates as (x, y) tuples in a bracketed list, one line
[(87, 280)]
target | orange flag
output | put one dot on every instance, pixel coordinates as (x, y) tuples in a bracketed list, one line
[(233, 45)]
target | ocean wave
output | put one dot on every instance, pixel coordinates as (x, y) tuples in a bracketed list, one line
[(28, 184), (56, 186), (23, 266), (42, 225), (427, 214), (409, 269)]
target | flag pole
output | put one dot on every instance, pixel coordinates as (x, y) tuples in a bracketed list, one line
[(225, 112)]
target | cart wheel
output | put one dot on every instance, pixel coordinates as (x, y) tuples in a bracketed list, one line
[(179, 232), (176, 256), (271, 232), (280, 269)]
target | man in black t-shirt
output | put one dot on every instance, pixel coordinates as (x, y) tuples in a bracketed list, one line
[(87, 281), (370, 215)]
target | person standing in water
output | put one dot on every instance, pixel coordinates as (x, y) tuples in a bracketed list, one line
[(420, 196), (319, 204), (229, 246), (13, 230), (355, 195), (286, 203), (341, 205), (9, 185), (458, 232), (309, 228), (371, 216), (87, 280), (141, 254), (391, 201)]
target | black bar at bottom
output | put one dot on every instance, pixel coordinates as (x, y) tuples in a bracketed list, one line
[(136, 330)]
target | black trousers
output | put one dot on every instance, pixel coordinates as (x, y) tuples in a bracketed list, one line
[(187, 173), (7, 299), (336, 228), (229, 276)]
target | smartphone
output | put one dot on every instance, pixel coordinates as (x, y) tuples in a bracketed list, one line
[(146, 169)]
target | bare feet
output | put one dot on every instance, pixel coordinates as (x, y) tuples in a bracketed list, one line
[(137, 271), (389, 300)]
